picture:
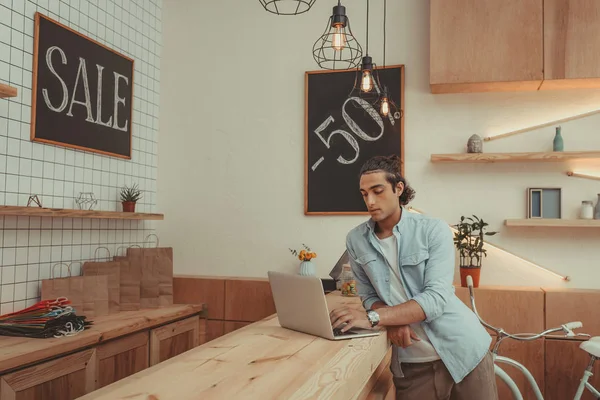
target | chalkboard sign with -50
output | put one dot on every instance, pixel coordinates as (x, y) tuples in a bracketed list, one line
[(342, 132)]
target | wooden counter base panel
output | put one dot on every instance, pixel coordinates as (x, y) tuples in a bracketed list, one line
[(17, 352), (260, 361)]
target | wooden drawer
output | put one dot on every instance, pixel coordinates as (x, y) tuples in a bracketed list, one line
[(120, 358), (173, 339), (65, 378)]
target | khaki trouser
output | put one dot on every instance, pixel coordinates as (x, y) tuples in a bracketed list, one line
[(432, 381)]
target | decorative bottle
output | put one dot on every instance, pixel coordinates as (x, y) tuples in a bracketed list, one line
[(587, 210), (558, 144), (348, 282), (597, 210)]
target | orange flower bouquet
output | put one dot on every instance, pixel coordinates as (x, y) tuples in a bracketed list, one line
[(305, 255)]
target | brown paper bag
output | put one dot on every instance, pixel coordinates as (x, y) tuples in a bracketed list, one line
[(130, 277), (95, 295), (69, 287), (112, 269), (88, 294), (164, 266), (145, 260)]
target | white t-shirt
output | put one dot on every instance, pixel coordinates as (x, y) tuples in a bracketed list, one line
[(419, 351)]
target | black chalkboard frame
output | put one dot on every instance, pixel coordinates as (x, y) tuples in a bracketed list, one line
[(307, 74), (33, 137)]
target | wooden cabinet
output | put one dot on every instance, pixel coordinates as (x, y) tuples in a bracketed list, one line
[(120, 358), (508, 45), (173, 339), (65, 378), (486, 45), (565, 363), (571, 44)]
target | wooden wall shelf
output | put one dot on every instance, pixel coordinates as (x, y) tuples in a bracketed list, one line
[(7, 91), (514, 157), (553, 223), (68, 213)]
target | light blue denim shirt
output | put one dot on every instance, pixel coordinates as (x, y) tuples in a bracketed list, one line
[(426, 262)]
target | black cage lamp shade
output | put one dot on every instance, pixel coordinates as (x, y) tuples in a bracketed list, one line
[(287, 7), (337, 48)]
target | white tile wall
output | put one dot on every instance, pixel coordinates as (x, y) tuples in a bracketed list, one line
[(30, 247)]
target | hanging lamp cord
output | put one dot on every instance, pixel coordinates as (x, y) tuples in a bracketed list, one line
[(367, 27), (384, 32)]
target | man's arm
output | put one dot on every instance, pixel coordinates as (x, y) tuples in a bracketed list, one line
[(366, 291), (439, 274)]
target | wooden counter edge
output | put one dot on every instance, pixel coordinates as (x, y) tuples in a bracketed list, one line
[(41, 350)]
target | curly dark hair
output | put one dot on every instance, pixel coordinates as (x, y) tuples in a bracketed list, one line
[(391, 166)]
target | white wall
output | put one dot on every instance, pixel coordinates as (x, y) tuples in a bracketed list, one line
[(231, 156), (29, 247)]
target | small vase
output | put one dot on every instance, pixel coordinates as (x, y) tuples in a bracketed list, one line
[(128, 206), (307, 268), (558, 144), (597, 209)]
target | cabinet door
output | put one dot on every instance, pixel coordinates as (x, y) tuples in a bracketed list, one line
[(486, 45), (120, 358), (65, 378), (173, 339), (571, 44)]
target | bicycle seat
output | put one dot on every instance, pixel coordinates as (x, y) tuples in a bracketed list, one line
[(592, 346)]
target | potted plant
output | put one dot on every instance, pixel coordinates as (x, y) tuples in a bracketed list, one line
[(129, 196), (468, 239), (305, 255)]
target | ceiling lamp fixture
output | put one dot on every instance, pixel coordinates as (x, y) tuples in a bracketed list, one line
[(366, 82), (287, 7), (337, 48), (385, 103)]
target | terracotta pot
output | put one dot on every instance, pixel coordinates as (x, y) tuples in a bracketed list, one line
[(474, 272), (128, 206)]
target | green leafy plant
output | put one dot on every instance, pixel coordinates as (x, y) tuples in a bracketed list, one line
[(468, 239), (132, 194)]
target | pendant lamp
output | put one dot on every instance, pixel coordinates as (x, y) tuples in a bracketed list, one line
[(384, 104), (287, 7), (366, 83), (337, 48)]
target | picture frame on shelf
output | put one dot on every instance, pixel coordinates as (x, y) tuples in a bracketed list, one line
[(544, 203)]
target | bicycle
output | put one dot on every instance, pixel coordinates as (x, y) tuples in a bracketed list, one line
[(591, 346)]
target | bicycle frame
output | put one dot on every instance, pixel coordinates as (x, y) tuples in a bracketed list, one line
[(501, 335)]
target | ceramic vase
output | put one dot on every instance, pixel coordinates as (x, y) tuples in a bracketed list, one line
[(307, 268), (597, 209), (557, 144)]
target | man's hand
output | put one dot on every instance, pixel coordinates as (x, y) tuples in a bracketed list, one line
[(350, 317), (401, 335)]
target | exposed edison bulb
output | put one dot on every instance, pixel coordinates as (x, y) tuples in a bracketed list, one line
[(339, 38), (366, 84), (385, 107)]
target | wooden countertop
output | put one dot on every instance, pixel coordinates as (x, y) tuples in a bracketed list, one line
[(260, 361), (20, 351)]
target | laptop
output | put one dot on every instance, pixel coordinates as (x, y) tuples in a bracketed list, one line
[(301, 306)]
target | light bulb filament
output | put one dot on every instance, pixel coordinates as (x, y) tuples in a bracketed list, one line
[(339, 38), (366, 84)]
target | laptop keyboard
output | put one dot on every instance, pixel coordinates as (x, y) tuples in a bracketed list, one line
[(338, 332)]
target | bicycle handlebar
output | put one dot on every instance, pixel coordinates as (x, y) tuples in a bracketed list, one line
[(566, 328)]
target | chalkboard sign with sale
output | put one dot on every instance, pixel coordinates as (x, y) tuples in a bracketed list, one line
[(82, 91), (342, 132)]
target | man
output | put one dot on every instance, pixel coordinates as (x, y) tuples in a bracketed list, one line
[(404, 266)]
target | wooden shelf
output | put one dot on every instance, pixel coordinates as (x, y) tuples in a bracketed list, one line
[(514, 157), (67, 213), (7, 91), (554, 223)]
